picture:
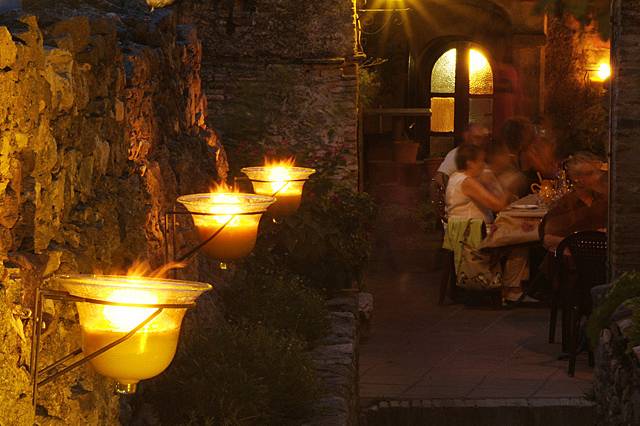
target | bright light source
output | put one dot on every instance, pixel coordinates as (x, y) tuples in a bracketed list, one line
[(604, 71), (477, 62)]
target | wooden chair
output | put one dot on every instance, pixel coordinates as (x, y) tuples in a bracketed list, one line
[(437, 191), (583, 269)]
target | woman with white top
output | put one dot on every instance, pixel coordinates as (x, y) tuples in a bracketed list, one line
[(469, 206), (466, 197)]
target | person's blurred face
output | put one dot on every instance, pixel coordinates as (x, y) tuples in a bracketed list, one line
[(476, 167), (585, 175), (478, 136), (500, 161)]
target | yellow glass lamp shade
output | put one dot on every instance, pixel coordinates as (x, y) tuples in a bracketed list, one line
[(238, 215), (151, 349), (283, 182)]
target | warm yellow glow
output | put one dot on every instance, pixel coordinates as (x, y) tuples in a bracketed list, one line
[(150, 350), (123, 318), (279, 174), (238, 213), (477, 62), (603, 72), (282, 180)]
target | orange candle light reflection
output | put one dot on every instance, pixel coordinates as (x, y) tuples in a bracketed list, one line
[(151, 349), (236, 215), (281, 180)]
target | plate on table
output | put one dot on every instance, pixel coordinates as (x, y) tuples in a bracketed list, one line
[(525, 206)]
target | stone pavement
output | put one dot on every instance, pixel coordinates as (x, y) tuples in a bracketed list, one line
[(418, 350)]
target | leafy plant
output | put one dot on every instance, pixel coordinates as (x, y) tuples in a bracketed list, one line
[(624, 288), (327, 242), (275, 300), (577, 110), (585, 11), (237, 375), (369, 84), (428, 217)]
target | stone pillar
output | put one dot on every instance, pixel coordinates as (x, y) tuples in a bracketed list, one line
[(624, 204)]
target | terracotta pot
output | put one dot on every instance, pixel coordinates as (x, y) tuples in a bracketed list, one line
[(405, 151), (431, 166), (379, 151)]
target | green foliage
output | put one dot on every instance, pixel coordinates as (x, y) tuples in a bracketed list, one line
[(578, 109), (428, 217), (369, 84), (585, 11), (624, 288), (327, 242), (237, 375), (278, 301)]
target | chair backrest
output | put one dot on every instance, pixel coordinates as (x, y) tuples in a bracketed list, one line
[(589, 256), (437, 192), (541, 226)]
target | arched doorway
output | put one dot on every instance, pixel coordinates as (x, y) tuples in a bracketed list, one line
[(460, 85)]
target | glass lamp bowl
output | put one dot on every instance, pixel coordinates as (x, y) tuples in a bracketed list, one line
[(239, 214), (151, 349), (283, 182)]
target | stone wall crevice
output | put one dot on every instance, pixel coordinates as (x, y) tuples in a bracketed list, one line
[(102, 126)]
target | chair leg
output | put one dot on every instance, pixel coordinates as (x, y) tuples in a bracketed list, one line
[(446, 276), (565, 325), (453, 289), (553, 321), (574, 318)]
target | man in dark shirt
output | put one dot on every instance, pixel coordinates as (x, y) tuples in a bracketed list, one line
[(583, 209)]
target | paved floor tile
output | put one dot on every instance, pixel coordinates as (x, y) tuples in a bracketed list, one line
[(419, 349)]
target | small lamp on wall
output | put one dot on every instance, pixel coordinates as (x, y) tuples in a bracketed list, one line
[(600, 72)]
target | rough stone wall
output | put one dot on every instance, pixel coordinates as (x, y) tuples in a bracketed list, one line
[(617, 378), (624, 198), (101, 126), (277, 81)]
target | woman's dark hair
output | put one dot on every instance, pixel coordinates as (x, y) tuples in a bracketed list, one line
[(517, 133), (465, 153)]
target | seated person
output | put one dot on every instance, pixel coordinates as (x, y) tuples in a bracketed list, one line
[(585, 207), (477, 135), (511, 180), (466, 197), (469, 206)]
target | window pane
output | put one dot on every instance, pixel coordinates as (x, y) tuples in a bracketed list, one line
[(442, 114), (443, 75), (481, 111), (480, 74)]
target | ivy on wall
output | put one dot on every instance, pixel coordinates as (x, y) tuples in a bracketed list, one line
[(577, 108), (585, 11)]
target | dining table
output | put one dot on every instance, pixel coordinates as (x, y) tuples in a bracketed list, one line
[(517, 224)]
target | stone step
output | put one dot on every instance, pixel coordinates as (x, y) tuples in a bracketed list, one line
[(479, 412)]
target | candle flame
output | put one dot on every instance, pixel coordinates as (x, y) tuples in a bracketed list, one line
[(222, 187), (285, 163), (279, 173), (142, 269), (126, 318)]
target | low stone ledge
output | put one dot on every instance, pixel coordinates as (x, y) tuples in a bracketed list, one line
[(617, 375), (481, 412), (336, 360)]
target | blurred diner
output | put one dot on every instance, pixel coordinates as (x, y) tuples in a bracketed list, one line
[(585, 207), (470, 206)]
